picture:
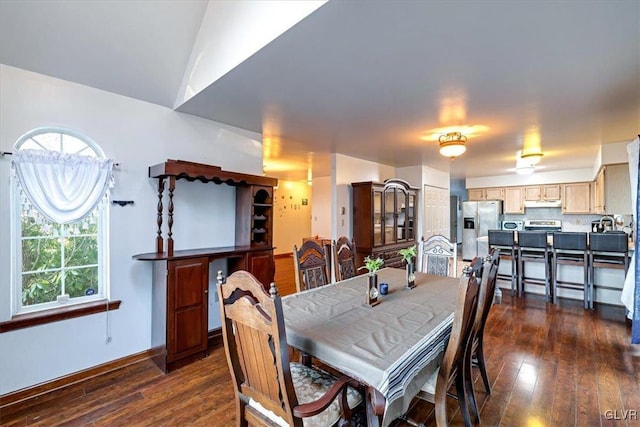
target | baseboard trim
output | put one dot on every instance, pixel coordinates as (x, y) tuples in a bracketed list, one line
[(214, 338), (25, 394), (22, 396)]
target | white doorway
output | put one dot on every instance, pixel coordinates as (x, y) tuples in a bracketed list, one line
[(436, 211)]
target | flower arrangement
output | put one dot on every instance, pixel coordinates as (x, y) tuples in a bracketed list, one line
[(408, 254), (372, 265)]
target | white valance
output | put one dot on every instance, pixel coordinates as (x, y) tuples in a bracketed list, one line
[(63, 187)]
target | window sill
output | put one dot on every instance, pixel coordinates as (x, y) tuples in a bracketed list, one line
[(20, 321)]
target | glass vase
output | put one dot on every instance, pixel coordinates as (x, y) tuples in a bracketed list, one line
[(411, 276)]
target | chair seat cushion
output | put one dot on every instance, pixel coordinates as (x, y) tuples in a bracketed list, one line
[(310, 385)]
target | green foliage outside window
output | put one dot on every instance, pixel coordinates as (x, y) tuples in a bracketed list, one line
[(50, 261)]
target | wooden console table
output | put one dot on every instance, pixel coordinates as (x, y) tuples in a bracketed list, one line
[(181, 278)]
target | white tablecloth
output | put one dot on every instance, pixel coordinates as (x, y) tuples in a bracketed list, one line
[(393, 346)]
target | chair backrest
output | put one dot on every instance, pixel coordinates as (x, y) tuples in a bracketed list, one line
[(489, 274), (256, 345), (311, 265), (438, 256), (532, 239), (344, 258), (501, 238), (463, 318), (570, 240)]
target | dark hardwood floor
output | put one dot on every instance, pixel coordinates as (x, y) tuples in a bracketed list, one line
[(549, 366)]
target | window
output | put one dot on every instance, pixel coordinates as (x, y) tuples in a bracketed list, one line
[(60, 220)]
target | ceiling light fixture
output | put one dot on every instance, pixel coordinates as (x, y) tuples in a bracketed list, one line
[(452, 144), (526, 163), (531, 158)]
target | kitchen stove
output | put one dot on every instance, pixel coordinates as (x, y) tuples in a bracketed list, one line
[(549, 225)]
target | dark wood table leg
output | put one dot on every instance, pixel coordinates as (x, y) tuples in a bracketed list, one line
[(375, 403)]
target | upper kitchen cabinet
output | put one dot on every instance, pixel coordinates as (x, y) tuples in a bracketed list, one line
[(576, 198), (547, 192), (513, 200), (612, 190), (478, 194)]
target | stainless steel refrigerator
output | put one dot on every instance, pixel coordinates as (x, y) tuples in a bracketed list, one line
[(477, 219)]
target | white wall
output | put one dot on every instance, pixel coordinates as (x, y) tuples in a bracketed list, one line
[(292, 219), (232, 31), (614, 152), (321, 207), (136, 134), (347, 170)]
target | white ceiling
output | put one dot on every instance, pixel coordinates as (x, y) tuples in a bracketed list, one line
[(369, 79)]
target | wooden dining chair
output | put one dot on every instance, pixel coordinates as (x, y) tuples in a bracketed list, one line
[(451, 370), (269, 390), (344, 258), (311, 265), (486, 271), (437, 256)]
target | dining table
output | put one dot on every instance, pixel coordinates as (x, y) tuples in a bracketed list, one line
[(391, 348)]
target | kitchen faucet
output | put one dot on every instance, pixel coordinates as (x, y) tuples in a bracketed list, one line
[(610, 218)]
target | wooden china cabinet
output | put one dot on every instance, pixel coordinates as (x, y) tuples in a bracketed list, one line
[(180, 293), (385, 217)]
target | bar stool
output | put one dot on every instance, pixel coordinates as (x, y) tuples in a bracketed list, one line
[(504, 242), (570, 248), (607, 250), (533, 247)]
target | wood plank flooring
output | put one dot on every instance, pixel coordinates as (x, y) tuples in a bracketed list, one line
[(549, 366)]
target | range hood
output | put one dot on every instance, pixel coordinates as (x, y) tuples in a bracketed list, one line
[(543, 204)]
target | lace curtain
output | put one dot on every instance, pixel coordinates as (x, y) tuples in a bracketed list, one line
[(63, 187)]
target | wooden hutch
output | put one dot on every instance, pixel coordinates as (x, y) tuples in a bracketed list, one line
[(181, 278), (385, 217)]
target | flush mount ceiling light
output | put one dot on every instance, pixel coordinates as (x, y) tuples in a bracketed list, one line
[(452, 144), (526, 163), (531, 158)]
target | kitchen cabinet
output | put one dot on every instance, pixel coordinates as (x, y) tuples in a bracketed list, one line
[(576, 198), (598, 193), (494, 193), (384, 219), (514, 200), (479, 194), (476, 194), (612, 192), (546, 192), (551, 192)]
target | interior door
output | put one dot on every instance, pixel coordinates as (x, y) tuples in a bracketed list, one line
[(436, 211)]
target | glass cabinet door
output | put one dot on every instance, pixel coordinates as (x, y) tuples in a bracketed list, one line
[(377, 218), (411, 215), (402, 203), (389, 216)]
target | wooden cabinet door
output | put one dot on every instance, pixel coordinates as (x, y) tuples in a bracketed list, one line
[(532, 193), (513, 200), (576, 198), (494, 193), (476, 193), (617, 191), (261, 265), (187, 302), (551, 192)]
